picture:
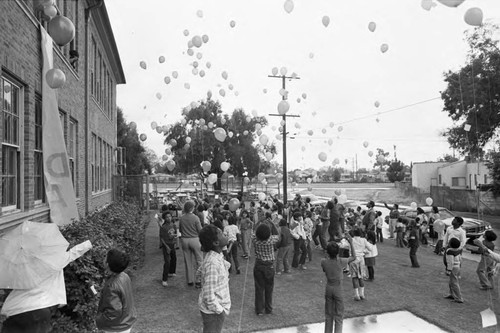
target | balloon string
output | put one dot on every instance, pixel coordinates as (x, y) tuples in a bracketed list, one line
[(244, 288)]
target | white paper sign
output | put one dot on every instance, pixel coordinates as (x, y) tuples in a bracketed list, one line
[(488, 318)]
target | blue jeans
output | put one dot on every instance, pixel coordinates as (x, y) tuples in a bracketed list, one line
[(212, 322), (283, 258), (334, 308), (299, 248), (263, 274)]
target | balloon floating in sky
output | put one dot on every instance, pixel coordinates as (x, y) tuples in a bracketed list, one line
[(206, 166), (199, 13), (154, 124), (283, 92), (332, 124), (133, 125), (323, 131), (173, 142), (197, 42), (158, 95), (224, 75), (263, 139), (161, 59), (336, 161), (274, 71), (143, 137), (310, 132), (61, 29), (372, 26), (474, 16), (325, 20), (451, 3), (283, 107), (209, 94), (230, 134), (187, 85), (175, 74), (384, 48), (377, 104), (370, 153), (311, 55), (288, 6), (330, 141), (427, 4), (143, 65), (429, 201), (322, 157), (204, 38), (283, 71), (186, 32), (269, 156), (220, 134), (340, 129), (381, 159), (50, 11), (222, 92), (232, 24), (234, 204), (365, 144), (298, 100), (304, 95), (190, 52), (202, 73), (303, 148), (188, 140), (208, 64)]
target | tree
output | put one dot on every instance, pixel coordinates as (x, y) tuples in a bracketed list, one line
[(336, 175), (136, 157), (395, 171), (447, 158), (379, 161), (472, 94), (194, 141), (494, 166)]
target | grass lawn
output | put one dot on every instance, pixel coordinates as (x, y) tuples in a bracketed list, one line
[(298, 297)]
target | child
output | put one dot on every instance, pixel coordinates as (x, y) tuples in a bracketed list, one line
[(357, 266), (263, 271), (284, 246), (379, 224), (486, 266), (246, 226), (116, 311), (413, 243), (400, 230), (168, 238), (308, 228), (424, 231), (214, 300), (233, 235), (334, 300), (453, 262), (371, 254), (438, 226), (299, 241)]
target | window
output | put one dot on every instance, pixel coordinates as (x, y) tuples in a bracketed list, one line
[(440, 180), (458, 181), (39, 186), (72, 152), (93, 161), (92, 62), (475, 179), (10, 94), (62, 118)]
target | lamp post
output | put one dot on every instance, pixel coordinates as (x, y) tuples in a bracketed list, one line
[(284, 116)]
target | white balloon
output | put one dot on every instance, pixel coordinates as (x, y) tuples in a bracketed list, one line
[(304, 95), (212, 178), (283, 107), (264, 90), (209, 94), (154, 125), (208, 64), (158, 95), (365, 144), (232, 24), (427, 4), (384, 48), (220, 134), (167, 79), (263, 139), (325, 20), (413, 205), (190, 52), (474, 16), (143, 65), (197, 42), (283, 92), (283, 71), (222, 92), (297, 125), (186, 32), (199, 13), (372, 26), (269, 156), (187, 85), (175, 74), (199, 55), (298, 100), (288, 6), (370, 153), (322, 156), (204, 38), (224, 166), (311, 55), (274, 71), (230, 134), (377, 104), (262, 196), (161, 59), (451, 3), (194, 71), (188, 139), (429, 201), (254, 113), (340, 129), (202, 73), (224, 75)]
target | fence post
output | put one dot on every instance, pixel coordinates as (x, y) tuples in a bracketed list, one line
[(147, 192)]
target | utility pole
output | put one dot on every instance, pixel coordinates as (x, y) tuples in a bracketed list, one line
[(284, 116)]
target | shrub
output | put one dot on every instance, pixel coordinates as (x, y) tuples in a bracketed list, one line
[(118, 225)]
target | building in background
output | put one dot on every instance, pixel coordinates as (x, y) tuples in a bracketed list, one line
[(87, 107)]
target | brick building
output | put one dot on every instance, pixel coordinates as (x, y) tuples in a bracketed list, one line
[(87, 107)]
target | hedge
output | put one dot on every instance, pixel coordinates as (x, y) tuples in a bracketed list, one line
[(118, 225)]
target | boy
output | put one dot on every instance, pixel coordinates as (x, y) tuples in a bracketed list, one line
[(263, 271), (424, 230), (400, 230), (214, 300), (116, 311), (413, 242), (168, 239), (453, 262), (334, 300), (232, 232), (284, 246), (486, 266), (379, 224)]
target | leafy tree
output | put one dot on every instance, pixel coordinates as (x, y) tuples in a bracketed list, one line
[(195, 141), (395, 171), (447, 158), (494, 166), (136, 157), (379, 163), (472, 94), (336, 175)]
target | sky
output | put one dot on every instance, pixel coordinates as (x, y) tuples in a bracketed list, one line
[(343, 72)]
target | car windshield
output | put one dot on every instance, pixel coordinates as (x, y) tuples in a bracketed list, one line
[(445, 214)]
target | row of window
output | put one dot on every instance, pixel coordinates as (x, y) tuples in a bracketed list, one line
[(101, 83), (101, 162), (460, 181)]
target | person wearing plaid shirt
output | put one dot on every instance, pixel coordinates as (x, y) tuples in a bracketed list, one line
[(214, 300), (263, 272)]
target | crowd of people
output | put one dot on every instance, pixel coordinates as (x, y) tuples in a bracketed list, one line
[(215, 238)]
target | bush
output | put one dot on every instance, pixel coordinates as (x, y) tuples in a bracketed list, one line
[(118, 225)]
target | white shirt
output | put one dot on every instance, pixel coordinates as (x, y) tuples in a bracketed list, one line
[(458, 233)]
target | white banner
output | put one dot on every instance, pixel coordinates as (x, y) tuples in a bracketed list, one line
[(58, 183)]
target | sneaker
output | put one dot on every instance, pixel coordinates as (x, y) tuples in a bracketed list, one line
[(288, 272), (362, 297), (164, 283), (449, 297), (302, 267), (357, 298), (278, 273)]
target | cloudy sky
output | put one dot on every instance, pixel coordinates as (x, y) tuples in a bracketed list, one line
[(342, 71)]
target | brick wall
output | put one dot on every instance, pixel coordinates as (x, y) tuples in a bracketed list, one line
[(21, 59)]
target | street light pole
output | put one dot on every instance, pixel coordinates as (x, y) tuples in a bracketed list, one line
[(284, 116)]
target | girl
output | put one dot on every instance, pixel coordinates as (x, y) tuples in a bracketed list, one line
[(299, 239), (308, 228), (379, 224), (370, 255), (232, 233), (357, 266)]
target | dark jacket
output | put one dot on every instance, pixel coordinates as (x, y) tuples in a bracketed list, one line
[(285, 237), (116, 310)]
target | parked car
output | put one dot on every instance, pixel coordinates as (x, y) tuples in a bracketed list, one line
[(474, 228)]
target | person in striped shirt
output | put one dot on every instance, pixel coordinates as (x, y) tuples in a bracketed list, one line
[(263, 272), (214, 300)]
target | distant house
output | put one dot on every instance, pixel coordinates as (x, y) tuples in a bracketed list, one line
[(458, 175)]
